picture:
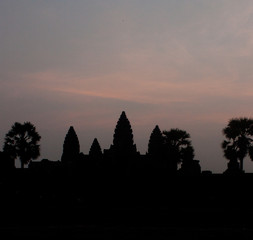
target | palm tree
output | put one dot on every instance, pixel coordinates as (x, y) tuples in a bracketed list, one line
[(22, 141), (178, 145), (239, 140)]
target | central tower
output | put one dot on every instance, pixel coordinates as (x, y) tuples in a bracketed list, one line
[(123, 150), (123, 143)]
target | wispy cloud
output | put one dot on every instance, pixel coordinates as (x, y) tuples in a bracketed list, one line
[(146, 90), (174, 63)]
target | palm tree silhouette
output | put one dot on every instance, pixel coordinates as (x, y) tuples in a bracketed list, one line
[(22, 141), (239, 140), (178, 145)]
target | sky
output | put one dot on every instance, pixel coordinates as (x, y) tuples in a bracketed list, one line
[(173, 63)]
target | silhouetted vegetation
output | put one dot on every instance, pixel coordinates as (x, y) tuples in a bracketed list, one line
[(238, 143), (178, 147), (22, 142)]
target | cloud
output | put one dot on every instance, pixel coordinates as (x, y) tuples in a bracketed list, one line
[(211, 98), (174, 63)]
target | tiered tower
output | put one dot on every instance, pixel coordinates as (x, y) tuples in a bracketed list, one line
[(71, 147), (123, 150)]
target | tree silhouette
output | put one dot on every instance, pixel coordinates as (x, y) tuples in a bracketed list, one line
[(123, 143), (95, 152), (22, 141), (71, 147), (239, 140), (178, 147), (189, 166)]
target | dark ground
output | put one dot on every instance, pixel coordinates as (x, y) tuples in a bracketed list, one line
[(134, 223), (203, 207)]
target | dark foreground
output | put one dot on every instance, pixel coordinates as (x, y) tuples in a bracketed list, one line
[(203, 207), (127, 224)]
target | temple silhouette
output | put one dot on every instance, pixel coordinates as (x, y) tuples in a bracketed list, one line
[(122, 156), (120, 186)]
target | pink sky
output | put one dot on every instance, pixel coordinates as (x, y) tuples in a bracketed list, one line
[(185, 64)]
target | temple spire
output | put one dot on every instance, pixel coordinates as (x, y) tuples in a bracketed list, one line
[(71, 147), (123, 143)]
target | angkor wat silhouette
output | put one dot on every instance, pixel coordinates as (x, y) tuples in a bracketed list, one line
[(119, 185), (123, 153)]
